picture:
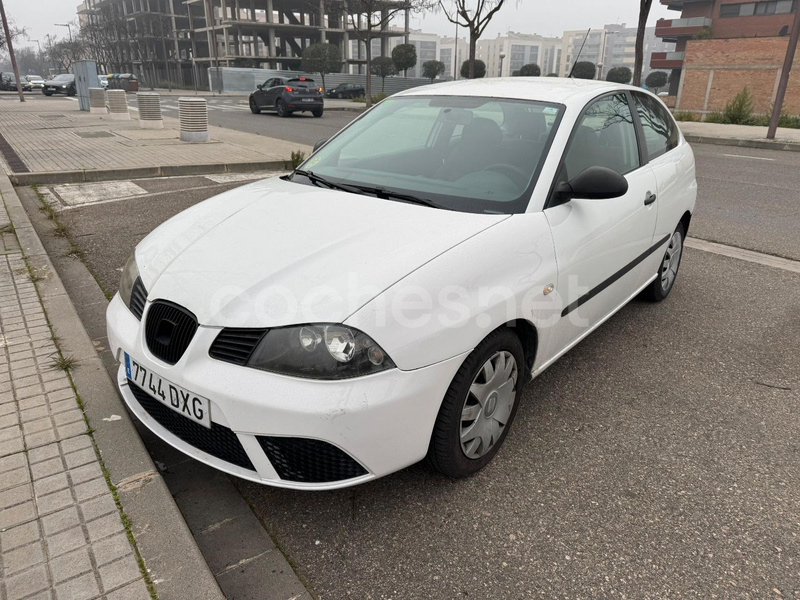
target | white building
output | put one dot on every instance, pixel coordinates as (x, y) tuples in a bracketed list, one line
[(518, 49)]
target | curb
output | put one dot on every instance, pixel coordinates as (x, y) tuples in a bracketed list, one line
[(761, 144), (94, 175), (158, 526)]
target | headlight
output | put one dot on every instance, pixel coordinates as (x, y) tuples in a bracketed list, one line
[(63, 86), (130, 272), (319, 351)]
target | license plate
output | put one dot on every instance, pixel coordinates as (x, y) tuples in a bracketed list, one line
[(308, 99), (185, 403)]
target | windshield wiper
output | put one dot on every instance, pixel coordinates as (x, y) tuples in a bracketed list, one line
[(391, 195), (382, 193), (317, 180)]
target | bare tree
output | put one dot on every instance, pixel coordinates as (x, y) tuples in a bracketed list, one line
[(644, 13), (474, 19), (370, 18)]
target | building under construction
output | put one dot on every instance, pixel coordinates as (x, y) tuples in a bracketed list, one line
[(177, 40)]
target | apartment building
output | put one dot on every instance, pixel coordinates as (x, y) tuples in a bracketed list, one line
[(168, 37), (718, 19), (612, 46), (506, 54)]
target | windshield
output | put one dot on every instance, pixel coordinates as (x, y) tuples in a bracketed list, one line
[(62, 77), (302, 83), (462, 153)]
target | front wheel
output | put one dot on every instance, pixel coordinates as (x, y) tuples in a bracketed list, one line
[(280, 108), (254, 108), (71, 92), (340, 95), (668, 270), (479, 407), (47, 93)]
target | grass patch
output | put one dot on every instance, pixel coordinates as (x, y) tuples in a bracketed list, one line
[(298, 156), (684, 115), (8, 229), (60, 230), (64, 363)]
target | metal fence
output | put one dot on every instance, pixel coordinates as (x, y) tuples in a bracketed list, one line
[(245, 80)]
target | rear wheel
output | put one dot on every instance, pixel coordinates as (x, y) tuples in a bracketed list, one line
[(281, 109), (254, 108), (668, 270), (479, 407), (317, 113)]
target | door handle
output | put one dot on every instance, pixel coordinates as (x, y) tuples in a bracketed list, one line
[(649, 199)]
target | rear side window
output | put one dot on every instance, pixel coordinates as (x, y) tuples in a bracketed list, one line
[(660, 131)]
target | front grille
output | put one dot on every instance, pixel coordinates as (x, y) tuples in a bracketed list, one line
[(169, 330), (138, 298), (236, 345), (219, 441), (309, 461)]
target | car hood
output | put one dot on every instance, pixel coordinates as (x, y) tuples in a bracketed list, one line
[(277, 253), (60, 82)]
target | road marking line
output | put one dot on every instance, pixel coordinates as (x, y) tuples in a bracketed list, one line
[(750, 157), (766, 260)]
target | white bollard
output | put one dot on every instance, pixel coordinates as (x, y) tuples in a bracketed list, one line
[(118, 105), (194, 119), (149, 110), (97, 101)]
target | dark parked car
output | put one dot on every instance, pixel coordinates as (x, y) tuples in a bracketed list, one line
[(60, 84), (347, 90), (287, 95), (9, 83)]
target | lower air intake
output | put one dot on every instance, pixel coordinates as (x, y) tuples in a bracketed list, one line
[(309, 461)]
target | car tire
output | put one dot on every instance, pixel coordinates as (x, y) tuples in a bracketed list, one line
[(340, 95), (48, 93), (280, 108), (254, 108), (451, 451), (317, 113), (71, 92), (668, 270)]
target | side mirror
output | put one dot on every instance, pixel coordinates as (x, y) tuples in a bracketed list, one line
[(260, 87), (320, 144), (594, 183)]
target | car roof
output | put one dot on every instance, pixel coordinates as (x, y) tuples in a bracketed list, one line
[(561, 90)]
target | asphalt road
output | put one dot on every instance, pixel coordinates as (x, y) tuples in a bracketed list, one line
[(233, 113), (658, 459)]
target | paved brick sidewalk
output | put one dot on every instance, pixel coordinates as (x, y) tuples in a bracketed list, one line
[(61, 533), (52, 134)]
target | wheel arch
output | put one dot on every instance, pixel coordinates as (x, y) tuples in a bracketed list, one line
[(685, 220), (528, 337)]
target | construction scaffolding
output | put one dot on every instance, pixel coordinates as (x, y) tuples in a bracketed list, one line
[(177, 41)]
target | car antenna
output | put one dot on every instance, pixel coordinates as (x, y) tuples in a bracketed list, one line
[(575, 62)]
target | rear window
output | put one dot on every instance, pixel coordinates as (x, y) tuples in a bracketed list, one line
[(303, 82)]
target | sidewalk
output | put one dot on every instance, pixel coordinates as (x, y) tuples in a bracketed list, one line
[(47, 140), (61, 529), (740, 135)]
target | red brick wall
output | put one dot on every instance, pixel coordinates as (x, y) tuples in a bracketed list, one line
[(736, 63), (755, 26)]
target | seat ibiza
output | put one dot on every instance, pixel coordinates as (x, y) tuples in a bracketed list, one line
[(389, 300)]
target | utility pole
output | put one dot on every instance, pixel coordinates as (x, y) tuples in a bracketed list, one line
[(784, 81), (11, 52), (212, 16)]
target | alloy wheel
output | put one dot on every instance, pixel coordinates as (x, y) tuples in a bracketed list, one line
[(488, 404), (672, 260)]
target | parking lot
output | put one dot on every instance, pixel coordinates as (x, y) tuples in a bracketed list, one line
[(658, 459)]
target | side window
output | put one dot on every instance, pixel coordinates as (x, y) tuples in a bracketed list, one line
[(604, 137), (660, 131), (267, 84)]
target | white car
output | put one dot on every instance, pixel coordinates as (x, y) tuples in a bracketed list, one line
[(389, 300), (103, 80)]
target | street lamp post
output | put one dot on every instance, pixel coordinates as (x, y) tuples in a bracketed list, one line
[(69, 28), (10, 46), (600, 71), (502, 56)]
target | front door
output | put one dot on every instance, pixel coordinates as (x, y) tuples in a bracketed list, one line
[(601, 245)]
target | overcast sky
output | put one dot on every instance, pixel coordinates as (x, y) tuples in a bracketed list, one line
[(544, 17)]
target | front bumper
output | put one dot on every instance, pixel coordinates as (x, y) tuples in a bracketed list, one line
[(383, 421)]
